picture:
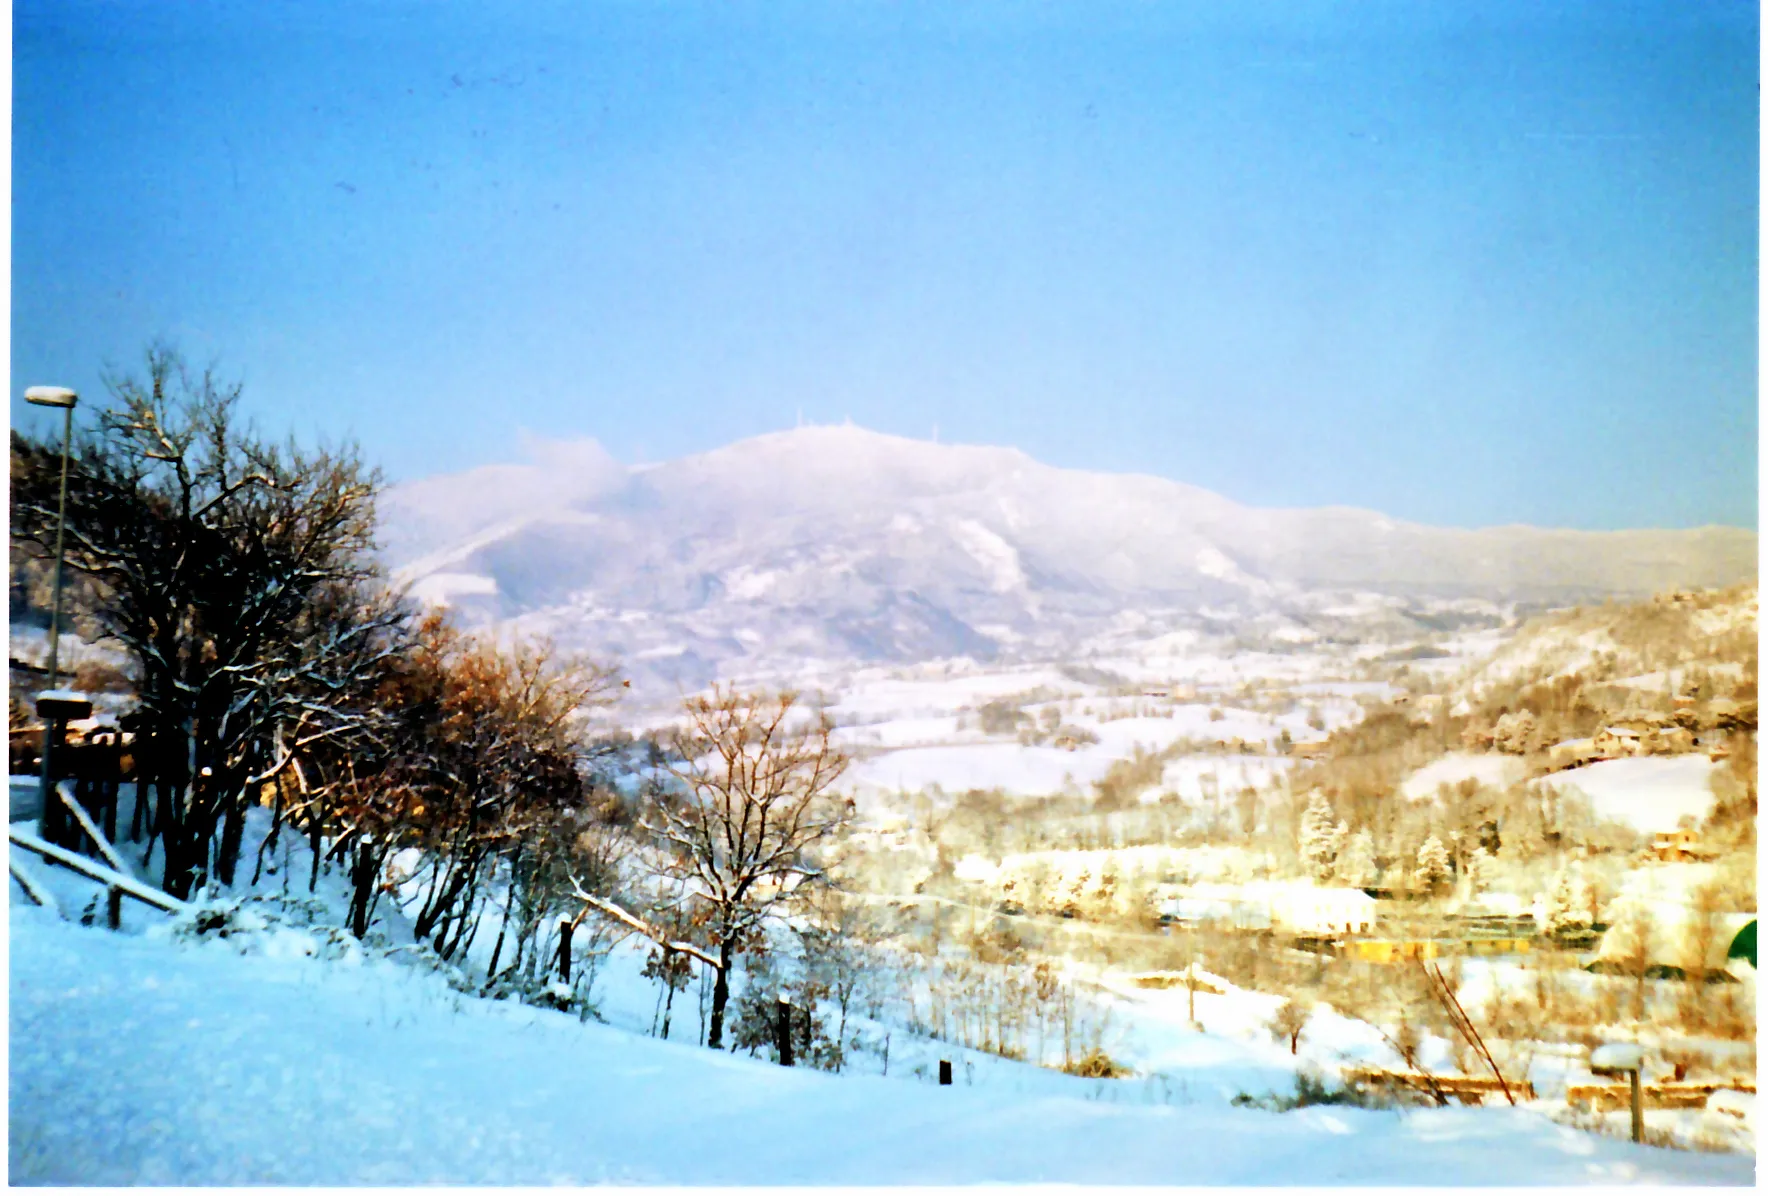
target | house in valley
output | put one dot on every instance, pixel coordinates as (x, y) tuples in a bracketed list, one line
[(1616, 742), (1679, 846)]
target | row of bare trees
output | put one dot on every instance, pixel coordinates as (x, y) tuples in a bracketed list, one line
[(273, 665), (235, 573)]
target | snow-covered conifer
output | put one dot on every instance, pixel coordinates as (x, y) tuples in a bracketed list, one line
[(1317, 840), (1356, 864), (1479, 868), (1433, 863)]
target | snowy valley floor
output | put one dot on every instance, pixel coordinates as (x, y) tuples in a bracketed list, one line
[(145, 1059)]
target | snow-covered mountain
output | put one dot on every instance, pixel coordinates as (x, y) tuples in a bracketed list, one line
[(840, 544)]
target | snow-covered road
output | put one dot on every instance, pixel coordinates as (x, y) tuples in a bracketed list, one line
[(137, 1059)]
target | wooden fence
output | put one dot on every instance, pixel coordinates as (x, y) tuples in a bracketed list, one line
[(1603, 1097)]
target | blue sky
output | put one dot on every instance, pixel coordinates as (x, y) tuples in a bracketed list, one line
[(1462, 263)]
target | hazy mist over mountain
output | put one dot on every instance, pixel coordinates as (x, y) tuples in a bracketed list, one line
[(841, 544)]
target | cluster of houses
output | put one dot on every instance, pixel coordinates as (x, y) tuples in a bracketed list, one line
[(1342, 921), (1294, 907), (1679, 847), (1339, 921), (1651, 735)]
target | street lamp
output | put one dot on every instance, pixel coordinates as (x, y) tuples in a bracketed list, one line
[(57, 396)]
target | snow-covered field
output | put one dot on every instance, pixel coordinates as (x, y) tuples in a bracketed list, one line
[(1488, 768), (1201, 779), (956, 768), (913, 731), (1648, 793), (144, 1059)]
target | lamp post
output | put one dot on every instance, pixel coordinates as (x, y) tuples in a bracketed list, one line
[(55, 707), (57, 396)]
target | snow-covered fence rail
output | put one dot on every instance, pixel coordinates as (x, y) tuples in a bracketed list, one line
[(127, 885), (34, 888), (1673, 1095), (1469, 1090), (65, 791)]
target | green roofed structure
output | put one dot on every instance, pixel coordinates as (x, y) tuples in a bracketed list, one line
[(1744, 945)]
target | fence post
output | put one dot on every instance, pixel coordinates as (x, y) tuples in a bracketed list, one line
[(783, 1031), (50, 820), (113, 908), (945, 1073), (1638, 1109), (566, 926), (56, 707)]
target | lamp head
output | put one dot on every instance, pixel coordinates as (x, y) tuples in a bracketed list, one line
[(51, 396)]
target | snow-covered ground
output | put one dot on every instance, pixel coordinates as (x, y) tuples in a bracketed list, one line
[(915, 729), (147, 1059), (1648, 793), (1488, 768), (960, 767), (1201, 779), (877, 695)]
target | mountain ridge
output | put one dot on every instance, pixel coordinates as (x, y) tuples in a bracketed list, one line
[(842, 543)]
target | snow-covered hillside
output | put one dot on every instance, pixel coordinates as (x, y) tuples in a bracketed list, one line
[(1644, 647), (839, 544), (1651, 794), (143, 1059)]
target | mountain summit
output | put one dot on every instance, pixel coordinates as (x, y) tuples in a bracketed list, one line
[(839, 543)]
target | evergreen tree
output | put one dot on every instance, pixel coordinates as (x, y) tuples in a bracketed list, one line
[(1356, 865), (1479, 869), (1317, 840), (1433, 863)]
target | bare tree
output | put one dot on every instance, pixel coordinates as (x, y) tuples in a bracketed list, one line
[(235, 572), (493, 748), (1630, 949), (837, 956), (740, 829), (1289, 1021)]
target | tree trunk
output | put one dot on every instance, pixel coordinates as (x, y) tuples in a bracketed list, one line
[(232, 835), (466, 926), (668, 983), (462, 948), (721, 993), (269, 843), (176, 839), (315, 830), (364, 868), (136, 817), (841, 1032), (113, 791), (466, 873), (496, 949)]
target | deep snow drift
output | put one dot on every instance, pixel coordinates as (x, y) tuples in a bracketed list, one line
[(149, 1059)]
